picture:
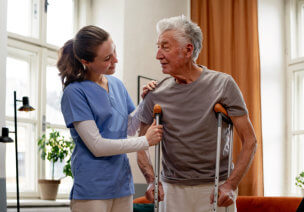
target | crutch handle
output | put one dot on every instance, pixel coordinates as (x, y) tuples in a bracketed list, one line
[(218, 108), (156, 110)]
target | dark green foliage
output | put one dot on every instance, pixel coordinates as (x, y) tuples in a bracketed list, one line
[(67, 168)]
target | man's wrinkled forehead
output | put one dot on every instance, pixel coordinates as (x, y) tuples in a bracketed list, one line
[(166, 37), (162, 42)]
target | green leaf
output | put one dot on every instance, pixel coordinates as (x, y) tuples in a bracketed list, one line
[(300, 180)]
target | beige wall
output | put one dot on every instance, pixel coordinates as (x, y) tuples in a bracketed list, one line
[(110, 15)]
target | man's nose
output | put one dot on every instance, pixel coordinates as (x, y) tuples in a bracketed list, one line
[(159, 55)]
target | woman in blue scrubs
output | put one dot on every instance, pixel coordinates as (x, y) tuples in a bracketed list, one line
[(96, 107)]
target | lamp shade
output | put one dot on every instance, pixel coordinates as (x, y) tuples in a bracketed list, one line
[(4, 138), (26, 105)]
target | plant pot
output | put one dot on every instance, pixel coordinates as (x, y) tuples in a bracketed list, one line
[(48, 189)]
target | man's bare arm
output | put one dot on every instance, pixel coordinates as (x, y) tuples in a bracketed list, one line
[(246, 133), (143, 158), (145, 165)]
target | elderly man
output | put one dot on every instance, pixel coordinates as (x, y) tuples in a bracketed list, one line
[(187, 99)]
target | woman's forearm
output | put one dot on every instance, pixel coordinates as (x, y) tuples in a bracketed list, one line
[(100, 146)]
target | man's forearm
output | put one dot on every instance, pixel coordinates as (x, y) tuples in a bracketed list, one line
[(242, 165), (145, 165), (247, 136), (143, 158)]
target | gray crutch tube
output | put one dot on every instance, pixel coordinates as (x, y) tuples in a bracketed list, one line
[(221, 115), (156, 114)]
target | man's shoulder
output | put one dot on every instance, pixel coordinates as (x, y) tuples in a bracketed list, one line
[(214, 73), (215, 77), (162, 85), (164, 82), (159, 90)]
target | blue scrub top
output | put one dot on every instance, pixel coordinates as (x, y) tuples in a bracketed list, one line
[(98, 177)]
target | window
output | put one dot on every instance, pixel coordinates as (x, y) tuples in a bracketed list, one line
[(57, 30), (28, 12), (31, 71), (297, 29), (295, 116)]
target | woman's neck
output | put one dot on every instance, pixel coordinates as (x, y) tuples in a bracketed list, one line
[(101, 80)]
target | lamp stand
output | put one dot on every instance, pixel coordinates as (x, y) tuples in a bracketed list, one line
[(16, 152)]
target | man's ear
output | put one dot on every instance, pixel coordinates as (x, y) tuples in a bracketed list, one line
[(189, 50)]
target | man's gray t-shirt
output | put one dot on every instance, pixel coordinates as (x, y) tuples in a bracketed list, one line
[(190, 125)]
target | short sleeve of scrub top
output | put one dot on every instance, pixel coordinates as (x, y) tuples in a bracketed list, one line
[(74, 106)]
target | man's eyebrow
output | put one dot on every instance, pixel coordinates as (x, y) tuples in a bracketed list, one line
[(162, 43)]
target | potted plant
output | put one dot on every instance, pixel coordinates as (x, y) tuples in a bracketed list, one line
[(54, 148), (300, 181)]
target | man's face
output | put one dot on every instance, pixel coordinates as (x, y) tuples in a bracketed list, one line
[(170, 53)]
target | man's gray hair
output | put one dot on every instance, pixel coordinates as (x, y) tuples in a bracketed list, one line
[(186, 30)]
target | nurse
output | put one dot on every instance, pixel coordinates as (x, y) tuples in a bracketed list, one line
[(96, 107)]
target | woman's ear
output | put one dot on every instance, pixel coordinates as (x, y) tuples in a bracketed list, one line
[(84, 62)]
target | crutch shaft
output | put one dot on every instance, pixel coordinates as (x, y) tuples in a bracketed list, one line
[(230, 155), (156, 114), (230, 150), (217, 165), (156, 171)]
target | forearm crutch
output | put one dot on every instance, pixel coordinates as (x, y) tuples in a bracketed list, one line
[(156, 114), (221, 114)]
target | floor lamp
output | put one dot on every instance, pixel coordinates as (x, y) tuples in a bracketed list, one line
[(6, 139)]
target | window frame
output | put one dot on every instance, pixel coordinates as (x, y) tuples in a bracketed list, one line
[(294, 63), (300, 22), (15, 49)]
